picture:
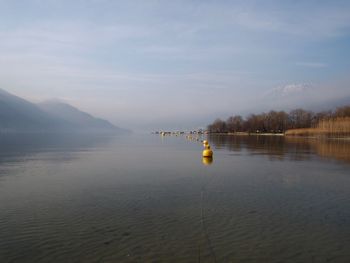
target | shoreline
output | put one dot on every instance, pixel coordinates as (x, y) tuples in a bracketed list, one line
[(347, 138), (247, 134)]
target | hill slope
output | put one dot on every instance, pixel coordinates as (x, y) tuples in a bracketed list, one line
[(75, 118), (19, 115)]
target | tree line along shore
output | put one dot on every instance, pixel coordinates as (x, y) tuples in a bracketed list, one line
[(298, 122)]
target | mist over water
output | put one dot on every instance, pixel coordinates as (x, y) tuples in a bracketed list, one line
[(145, 198)]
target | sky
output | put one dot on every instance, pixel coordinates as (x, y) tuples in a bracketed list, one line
[(160, 64)]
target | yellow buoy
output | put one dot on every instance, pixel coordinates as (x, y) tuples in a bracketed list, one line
[(205, 143), (207, 152), (207, 160)]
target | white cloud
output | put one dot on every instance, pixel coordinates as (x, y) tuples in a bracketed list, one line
[(289, 90)]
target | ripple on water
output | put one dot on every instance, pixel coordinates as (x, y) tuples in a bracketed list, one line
[(235, 211)]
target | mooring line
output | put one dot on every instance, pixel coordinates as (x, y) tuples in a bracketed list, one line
[(205, 230)]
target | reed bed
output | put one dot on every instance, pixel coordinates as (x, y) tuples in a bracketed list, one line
[(335, 127)]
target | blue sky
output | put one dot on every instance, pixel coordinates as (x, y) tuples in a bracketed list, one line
[(176, 64)]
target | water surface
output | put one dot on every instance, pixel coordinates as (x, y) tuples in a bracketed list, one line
[(152, 199)]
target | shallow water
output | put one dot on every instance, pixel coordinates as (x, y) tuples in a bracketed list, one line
[(152, 199)]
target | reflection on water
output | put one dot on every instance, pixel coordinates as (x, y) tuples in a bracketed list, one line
[(13, 146), (280, 147), (338, 149), (152, 199), (23, 143), (16, 151)]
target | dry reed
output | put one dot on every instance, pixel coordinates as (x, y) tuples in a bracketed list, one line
[(335, 127)]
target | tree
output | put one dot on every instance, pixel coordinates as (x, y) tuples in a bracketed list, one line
[(217, 126), (300, 118), (276, 121), (255, 123), (234, 123), (342, 112)]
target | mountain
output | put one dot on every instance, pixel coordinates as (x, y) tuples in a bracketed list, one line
[(19, 115), (75, 118)]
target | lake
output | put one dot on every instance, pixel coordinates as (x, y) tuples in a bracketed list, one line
[(151, 198)]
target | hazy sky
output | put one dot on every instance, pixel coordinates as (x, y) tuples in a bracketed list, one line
[(176, 64)]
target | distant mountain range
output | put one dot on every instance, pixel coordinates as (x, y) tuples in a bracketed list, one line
[(19, 115)]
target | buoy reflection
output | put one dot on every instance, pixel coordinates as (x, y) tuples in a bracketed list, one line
[(207, 160)]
